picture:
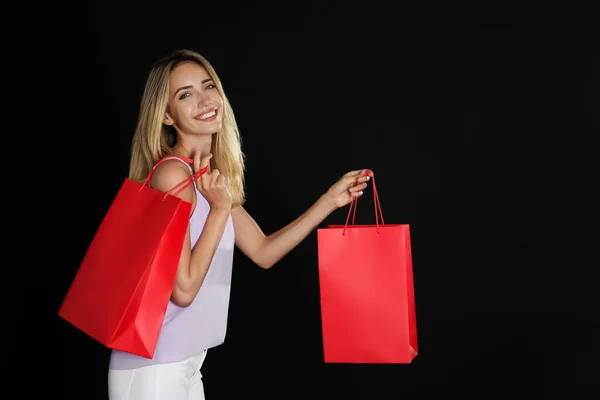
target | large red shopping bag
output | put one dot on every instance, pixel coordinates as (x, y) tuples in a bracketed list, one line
[(122, 288), (367, 293)]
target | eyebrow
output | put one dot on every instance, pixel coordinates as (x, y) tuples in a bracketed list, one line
[(190, 86)]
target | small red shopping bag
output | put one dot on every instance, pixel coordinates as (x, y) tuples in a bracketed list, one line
[(120, 293), (367, 293)]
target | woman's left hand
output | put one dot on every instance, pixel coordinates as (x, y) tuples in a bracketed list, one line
[(349, 187)]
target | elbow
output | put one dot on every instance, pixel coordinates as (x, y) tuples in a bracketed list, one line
[(264, 264), (262, 257), (181, 298)]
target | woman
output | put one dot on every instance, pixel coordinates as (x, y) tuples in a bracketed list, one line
[(185, 114)]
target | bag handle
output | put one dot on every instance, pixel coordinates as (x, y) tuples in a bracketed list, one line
[(378, 211), (186, 182)]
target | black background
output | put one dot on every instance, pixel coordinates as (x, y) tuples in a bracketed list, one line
[(479, 123)]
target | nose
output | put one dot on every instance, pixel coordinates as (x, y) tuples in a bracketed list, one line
[(203, 100)]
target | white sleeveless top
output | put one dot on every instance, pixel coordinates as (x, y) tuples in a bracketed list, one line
[(188, 331)]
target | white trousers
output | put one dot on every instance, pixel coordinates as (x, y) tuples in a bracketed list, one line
[(174, 381)]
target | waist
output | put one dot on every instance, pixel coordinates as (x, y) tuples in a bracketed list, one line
[(186, 331)]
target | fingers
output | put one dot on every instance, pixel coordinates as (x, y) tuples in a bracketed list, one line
[(205, 160), (354, 173), (359, 172), (214, 176), (197, 161), (214, 179), (358, 176), (354, 180), (221, 181), (201, 161), (358, 188)]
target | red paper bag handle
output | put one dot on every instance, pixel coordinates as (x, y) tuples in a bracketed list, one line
[(378, 211), (186, 182)]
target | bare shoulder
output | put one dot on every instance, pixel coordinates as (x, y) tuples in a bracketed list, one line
[(170, 174)]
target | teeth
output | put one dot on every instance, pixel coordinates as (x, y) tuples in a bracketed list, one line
[(207, 115)]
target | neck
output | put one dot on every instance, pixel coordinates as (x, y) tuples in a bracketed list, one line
[(188, 146)]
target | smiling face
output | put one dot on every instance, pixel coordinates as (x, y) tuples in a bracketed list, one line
[(195, 106)]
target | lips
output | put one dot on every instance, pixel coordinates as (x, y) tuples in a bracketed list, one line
[(208, 115)]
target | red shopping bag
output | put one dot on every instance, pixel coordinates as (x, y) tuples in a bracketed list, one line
[(367, 293), (122, 288)]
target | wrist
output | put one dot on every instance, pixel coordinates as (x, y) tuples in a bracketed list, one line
[(328, 203), (220, 210)]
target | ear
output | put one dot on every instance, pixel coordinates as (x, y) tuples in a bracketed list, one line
[(167, 120)]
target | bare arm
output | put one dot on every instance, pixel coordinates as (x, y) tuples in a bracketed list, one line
[(265, 250), (193, 265)]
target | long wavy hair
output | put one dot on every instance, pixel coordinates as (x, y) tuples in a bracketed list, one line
[(154, 140)]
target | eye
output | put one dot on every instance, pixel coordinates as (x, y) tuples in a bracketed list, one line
[(183, 96), (210, 86)]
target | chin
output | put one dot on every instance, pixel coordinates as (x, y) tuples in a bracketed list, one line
[(217, 127), (208, 129)]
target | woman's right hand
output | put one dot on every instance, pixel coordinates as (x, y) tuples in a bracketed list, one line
[(212, 185)]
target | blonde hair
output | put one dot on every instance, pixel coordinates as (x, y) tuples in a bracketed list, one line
[(154, 140)]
